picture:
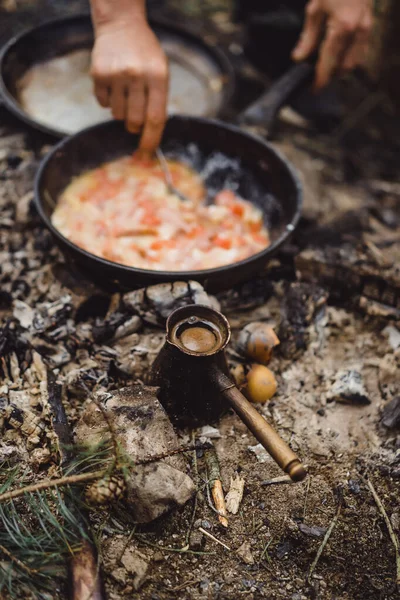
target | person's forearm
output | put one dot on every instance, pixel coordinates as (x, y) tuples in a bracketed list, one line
[(108, 12)]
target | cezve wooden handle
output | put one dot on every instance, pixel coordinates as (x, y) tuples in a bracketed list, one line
[(262, 430)]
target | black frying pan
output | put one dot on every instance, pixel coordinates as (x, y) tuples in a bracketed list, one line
[(198, 59), (62, 36), (253, 166)]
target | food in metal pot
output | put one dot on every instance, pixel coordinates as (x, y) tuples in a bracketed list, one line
[(122, 211)]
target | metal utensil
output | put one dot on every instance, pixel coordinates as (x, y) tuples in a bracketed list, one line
[(168, 178), (195, 388)]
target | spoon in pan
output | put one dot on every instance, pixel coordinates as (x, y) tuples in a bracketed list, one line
[(168, 178)]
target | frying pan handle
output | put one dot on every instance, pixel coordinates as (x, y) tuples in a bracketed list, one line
[(262, 112), (260, 428)]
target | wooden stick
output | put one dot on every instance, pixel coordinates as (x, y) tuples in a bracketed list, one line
[(75, 479), (214, 477), (50, 483), (85, 575), (18, 562), (392, 534), (213, 538)]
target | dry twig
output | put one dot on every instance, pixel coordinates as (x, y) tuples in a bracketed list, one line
[(277, 480), (235, 494), (81, 478), (16, 560), (392, 534), (50, 483), (203, 531), (326, 538), (214, 477)]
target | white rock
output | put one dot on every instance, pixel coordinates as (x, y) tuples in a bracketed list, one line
[(260, 452), (212, 433), (393, 335)]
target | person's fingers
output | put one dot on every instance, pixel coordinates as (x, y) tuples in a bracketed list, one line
[(118, 99), (156, 110), (355, 55), (358, 51), (136, 104), (102, 93), (333, 48), (312, 31)]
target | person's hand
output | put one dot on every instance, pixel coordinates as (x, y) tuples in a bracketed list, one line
[(130, 72), (343, 27)]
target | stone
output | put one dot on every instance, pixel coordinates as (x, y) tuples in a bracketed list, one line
[(135, 563), (143, 430), (260, 452), (244, 551), (197, 540), (119, 575), (348, 388)]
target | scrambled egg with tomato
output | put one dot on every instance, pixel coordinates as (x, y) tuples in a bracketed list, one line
[(123, 212)]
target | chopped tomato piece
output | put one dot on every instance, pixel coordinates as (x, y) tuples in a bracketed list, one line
[(159, 244), (255, 227), (222, 242), (260, 238), (151, 219), (237, 209), (195, 232)]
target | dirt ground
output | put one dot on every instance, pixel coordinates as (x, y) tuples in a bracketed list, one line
[(274, 538), (341, 444)]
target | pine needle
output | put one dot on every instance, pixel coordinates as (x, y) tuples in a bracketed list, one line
[(36, 535)]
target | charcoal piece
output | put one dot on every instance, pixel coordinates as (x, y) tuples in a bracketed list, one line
[(155, 303), (14, 160), (301, 305), (349, 225), (284, 548), (80, 382), (391, 414), (103, 330), (43, 241), (314, 531), (348, 273), (5, 300), (94, 306), (246, 296), (348, 387), (115, 327), (142, 429), (57, 354), (129, 326), (11, 340), (20, 288)]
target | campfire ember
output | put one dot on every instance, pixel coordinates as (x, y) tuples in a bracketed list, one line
[(97, 474)]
